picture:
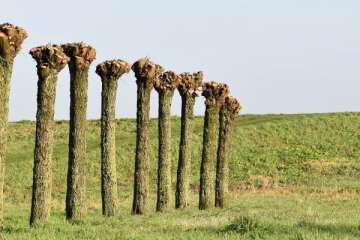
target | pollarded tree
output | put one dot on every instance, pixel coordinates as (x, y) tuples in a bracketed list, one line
[(50, 61), (146, 74), (215, 94), (110, 72), (189, 83), (81, 56), (165, 86), (228, 112), (11, 38)]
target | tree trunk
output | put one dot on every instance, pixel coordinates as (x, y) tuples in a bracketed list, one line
[(110, 72), (81, 56), (75, 195), (215, 94), (50, 61), (188, 86), (164, 161), (142, 160), (182, 183), (42, 173), (108, 150), (208, 157), (5, 78), (228, 113), (222, 171), (146, 73), (11, 38)]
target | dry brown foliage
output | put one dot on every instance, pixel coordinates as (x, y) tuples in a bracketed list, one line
[(80, 53), (11, 38), (147, 71), (50, 57), (190, 83), (232, 105), (112, 68), (167, 81), (215, 93)]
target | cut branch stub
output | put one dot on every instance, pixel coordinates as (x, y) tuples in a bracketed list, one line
[(189, 83), (215, 93), (49, 58), (112, 69), (232, 106), (11, 38), (167, 81), (81, 55), (146, 71)]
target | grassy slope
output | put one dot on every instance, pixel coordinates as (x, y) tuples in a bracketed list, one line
[(295, 176)]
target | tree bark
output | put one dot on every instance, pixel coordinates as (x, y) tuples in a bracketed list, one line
[(182, 184), (215, 94), (110, 72), (208, 157), (5, 77), (80, 58), (228, 113), (187, 88), (142, 161), (108, 150), (50, 60), (75, 197), (145, 72), (164, 160), (42, 176), (11, 38), (165, 86)]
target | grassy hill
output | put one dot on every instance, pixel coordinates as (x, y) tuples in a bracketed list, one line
[(311, 155)]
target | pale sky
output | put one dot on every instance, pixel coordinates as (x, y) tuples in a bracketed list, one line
[(278, 56)]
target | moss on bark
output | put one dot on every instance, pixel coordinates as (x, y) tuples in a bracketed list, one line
[(11, 38), (50, 61), (165, 86), (146, 73), (215, 94), (81, 56), (228, 113), (189, 83), (110, 72)]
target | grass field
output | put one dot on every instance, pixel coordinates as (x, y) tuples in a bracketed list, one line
[(292, 177)]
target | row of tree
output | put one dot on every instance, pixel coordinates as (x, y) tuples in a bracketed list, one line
[(221, 110)]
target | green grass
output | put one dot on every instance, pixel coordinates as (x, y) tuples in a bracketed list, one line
[(291, 177)]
